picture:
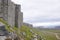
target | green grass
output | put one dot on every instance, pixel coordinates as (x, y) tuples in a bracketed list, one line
[(26, 29), (55, 31), (45, 35), (48, 36)]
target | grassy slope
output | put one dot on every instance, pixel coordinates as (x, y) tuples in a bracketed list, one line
[(46, 36), (27, 31), (55, 31)]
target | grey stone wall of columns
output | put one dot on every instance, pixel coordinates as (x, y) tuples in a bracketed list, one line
[(11, 13)]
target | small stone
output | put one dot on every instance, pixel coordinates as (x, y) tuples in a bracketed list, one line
[(31, 31), (23, 33)]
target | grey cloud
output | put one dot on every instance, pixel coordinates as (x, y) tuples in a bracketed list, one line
[(41, 10), (37, 20)]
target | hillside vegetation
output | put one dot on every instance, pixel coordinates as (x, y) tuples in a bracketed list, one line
[(30, 33), (23, 33)]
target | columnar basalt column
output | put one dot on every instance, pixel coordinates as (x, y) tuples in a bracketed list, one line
[(11, 13), (18, 16)]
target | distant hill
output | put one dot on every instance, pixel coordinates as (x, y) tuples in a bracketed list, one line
[(48, 27), (57, 27)]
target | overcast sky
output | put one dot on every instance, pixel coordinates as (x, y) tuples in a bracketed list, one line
[(40, 12)]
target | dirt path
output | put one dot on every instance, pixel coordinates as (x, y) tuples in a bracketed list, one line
[(56, 34)]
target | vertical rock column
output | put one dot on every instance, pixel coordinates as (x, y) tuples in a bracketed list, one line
[(11, 14), (18, 16), (1, 14), (4, 9)]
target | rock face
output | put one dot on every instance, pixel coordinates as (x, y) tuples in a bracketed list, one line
[(3, 31), (11, 13), (2, 37), (18, 16)]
